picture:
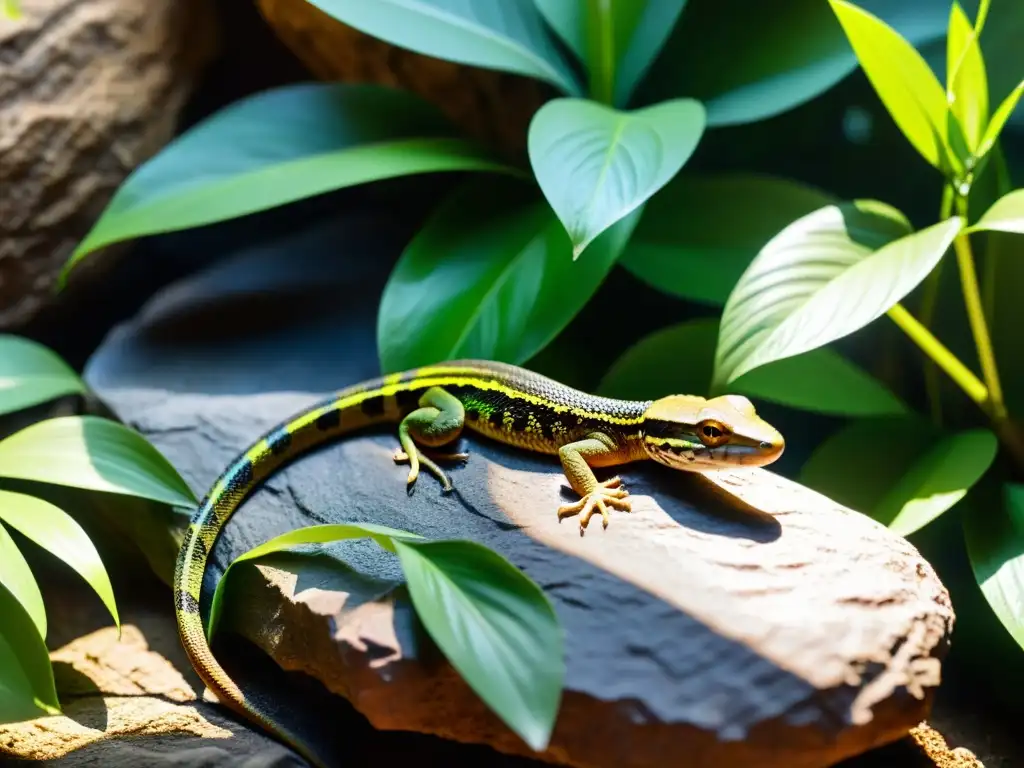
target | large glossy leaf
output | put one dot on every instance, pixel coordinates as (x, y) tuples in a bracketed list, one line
[(279, 146), (900, 471), (491, 276), (901, 77), (17, 577), (596, 164), (821, 380), (995, 545), (783, 54), (966, 80), (313, 534), (31, 374), (93, 453), (822, 278), (508, 36), (699, 233), (58, 533), (1005, 215), (938, 480), (26, 677), (495, 626), (617, 39)]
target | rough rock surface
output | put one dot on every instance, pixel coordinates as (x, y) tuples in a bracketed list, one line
[(88, 90), (494, 107), (775, 630)]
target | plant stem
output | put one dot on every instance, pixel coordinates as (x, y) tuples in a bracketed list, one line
[(929, 300), (976, 318), (937, 351), (601, 38)]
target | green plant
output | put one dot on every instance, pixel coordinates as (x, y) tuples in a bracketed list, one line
[(492, 622), (838, 267), (11, 9), (84, 452)]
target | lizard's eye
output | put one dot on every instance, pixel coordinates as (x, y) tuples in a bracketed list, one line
[(712, 433)]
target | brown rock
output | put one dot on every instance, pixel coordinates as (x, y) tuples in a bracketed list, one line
[(88, 90), (493, 107)]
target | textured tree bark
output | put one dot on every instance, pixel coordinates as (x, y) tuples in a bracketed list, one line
[(88, 90)]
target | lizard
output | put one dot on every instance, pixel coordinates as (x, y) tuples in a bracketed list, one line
[(431, 406)]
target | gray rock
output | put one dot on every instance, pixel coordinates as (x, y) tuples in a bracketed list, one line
[(733, 619)]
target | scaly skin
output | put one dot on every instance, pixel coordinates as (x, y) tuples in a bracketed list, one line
[(432, 405)]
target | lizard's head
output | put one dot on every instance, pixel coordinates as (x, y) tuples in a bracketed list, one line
[(692, 433)]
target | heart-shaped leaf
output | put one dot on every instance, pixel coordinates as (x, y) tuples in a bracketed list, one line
[(17, 577), (93, 453), (901, 78), (58, 533), (699, 233), (995, 545), (313, 534), (26, 677), (918, 475), (596, 164), (490, 276), (507, 36), (821, 380), (1005, 215), (617, 39), (277, 147), (495, 626), (31, 374), (822, 278), (966, 80)]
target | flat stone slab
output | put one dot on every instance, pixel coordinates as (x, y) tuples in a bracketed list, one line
[(732, 619)]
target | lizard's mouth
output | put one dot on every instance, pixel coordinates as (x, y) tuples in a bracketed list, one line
[(699, 457)]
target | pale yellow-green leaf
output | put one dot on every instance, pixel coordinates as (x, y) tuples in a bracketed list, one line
[(901, 78), (999, 118), (967, 82), (17, 577), (1005, 215)]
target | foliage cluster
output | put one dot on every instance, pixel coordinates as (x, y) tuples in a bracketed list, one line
[(506, 262)]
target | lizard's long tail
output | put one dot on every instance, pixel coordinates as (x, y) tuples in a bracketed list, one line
[(364, 405)]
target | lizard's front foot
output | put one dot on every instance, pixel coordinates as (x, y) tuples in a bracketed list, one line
[(610, 493)]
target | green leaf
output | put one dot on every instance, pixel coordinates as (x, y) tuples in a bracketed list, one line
[(31, 374), (491, 276), (1005, 215), (58, 533), (277, 147), (783, 54), (966, 81), (901, 77), (17, 577), (938, 480), (507, 36), (821, 380), (26, 677), (491, 621), (699, 234), (313, 534), (916, 475), (93, 453), (617, 39), (821, 279), (495, 626), (596, 164), (995, 546), (999, 119)]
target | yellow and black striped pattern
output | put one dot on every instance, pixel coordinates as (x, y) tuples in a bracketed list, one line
[(503, 402)]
